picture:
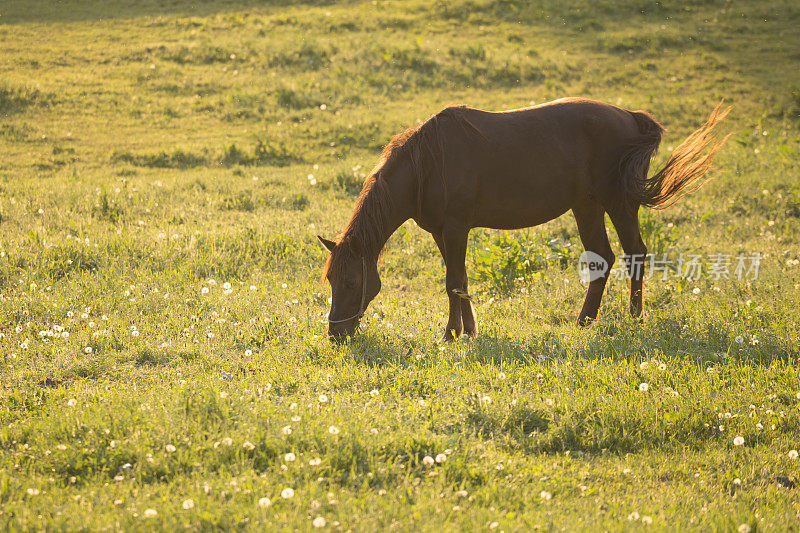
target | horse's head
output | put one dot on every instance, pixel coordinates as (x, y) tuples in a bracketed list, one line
[(354, 283)]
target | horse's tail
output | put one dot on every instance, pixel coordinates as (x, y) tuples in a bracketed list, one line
[(683, 172)]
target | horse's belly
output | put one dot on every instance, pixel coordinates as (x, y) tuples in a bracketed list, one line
[(524, 204), (509, 219)]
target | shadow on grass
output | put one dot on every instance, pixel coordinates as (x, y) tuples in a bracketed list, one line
[(375, 349), (591, 427), (625, 339), (74, 11), (615, 338)]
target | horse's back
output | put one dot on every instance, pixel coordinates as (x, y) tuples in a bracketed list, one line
[(563, 118), (526, 166)]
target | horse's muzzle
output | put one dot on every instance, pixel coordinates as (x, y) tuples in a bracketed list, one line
[(339, 333)]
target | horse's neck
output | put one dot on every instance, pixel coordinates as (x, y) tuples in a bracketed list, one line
[(401, 189)]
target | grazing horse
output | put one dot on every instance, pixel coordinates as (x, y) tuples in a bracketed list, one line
[(465, 168)]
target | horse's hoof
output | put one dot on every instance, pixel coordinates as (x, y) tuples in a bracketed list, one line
[(447, 337)]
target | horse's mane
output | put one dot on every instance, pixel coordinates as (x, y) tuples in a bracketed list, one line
[(423, 145)]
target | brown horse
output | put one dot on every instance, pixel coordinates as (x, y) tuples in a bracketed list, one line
[(466, 168)]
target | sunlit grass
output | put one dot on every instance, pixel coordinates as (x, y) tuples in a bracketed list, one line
[(165, 170)]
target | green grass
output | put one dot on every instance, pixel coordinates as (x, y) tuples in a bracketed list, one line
[(148, 148)]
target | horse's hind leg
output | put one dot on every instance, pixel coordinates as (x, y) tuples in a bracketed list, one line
[(627, 226), (592, 229)]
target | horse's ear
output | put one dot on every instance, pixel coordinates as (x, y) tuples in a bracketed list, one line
[(329, 245)]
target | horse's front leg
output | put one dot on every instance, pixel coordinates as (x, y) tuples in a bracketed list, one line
[(468, 318), (453, 245), (469, 322)]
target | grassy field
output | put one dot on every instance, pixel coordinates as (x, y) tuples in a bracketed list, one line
[(165, 167)]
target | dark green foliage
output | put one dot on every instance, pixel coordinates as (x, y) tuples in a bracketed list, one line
[(241, 201), (107, 209), (349, 183), (289, 98), (198, 55), (17, 99), (307, 56), (177, 159), (507, 260), (273, 154)]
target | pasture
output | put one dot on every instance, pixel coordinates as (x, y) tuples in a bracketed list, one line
[(165, 167)]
